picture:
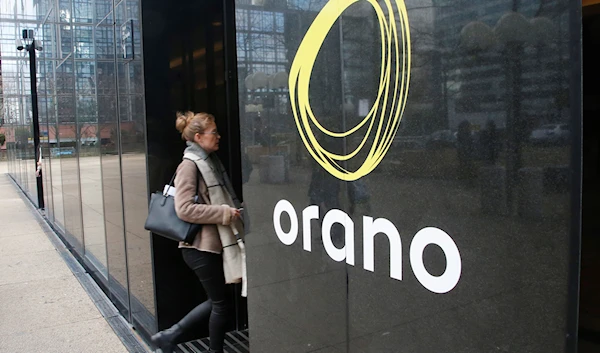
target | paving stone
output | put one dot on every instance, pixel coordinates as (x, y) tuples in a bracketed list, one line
[(46, 303), (24, 244), (93, 335), (14, 229), (32, 267)]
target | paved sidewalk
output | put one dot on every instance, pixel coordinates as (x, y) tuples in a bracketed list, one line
[(43, 307)]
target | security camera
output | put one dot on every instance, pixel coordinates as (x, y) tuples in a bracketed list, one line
[(20, 45), (37, 45), (28, 34)]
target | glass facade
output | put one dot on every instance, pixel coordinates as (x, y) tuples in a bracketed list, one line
[(92, 127)]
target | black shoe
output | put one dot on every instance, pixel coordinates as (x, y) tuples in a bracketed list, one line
[(167, 340)]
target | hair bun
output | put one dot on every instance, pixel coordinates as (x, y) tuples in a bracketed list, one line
[(182, 121)]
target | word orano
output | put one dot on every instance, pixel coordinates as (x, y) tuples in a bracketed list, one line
[(370, 228)]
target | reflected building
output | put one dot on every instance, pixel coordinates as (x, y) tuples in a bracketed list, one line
[(476, 86)]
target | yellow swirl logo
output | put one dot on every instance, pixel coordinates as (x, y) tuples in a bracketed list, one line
[(383, 119)]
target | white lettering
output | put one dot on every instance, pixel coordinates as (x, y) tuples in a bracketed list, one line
[(449, 279), (290, 237), (347, 251), (309, 213), (426, 236), (372, 228)]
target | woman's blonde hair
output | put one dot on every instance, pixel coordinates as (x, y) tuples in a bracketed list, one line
[(190, 124)]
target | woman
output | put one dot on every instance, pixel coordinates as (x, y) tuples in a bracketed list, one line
[(221, 221)]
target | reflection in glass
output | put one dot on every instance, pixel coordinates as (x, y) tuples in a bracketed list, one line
[(111, 165), (19, 132), (23, 135), (293, 293), (482, 153), (69, 150), (134, 168), (92, 206), (56, 175), (30, 163), (90, 172), (46, 109), (466, 160)]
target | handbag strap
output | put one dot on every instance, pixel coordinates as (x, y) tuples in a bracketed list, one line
[(197, 183)]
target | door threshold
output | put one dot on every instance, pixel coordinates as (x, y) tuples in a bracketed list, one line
[(235, 342)]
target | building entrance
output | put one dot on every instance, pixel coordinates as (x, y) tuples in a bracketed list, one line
[(188, 66)]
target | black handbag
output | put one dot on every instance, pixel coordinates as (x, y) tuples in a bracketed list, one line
[(163, 220)]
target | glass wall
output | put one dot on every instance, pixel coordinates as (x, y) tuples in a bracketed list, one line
[(92, 133), (414, 173), (16, 100), (132, 130)]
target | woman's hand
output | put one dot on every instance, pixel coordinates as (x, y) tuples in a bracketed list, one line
[(235, 213)]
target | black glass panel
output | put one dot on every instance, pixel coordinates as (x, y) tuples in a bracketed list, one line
[(423, 152), (589, 309), (297, 292)]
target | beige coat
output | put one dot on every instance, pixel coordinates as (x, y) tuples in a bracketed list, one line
[(202, 212)]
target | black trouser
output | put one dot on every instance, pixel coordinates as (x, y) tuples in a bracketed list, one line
[(209, 270)]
